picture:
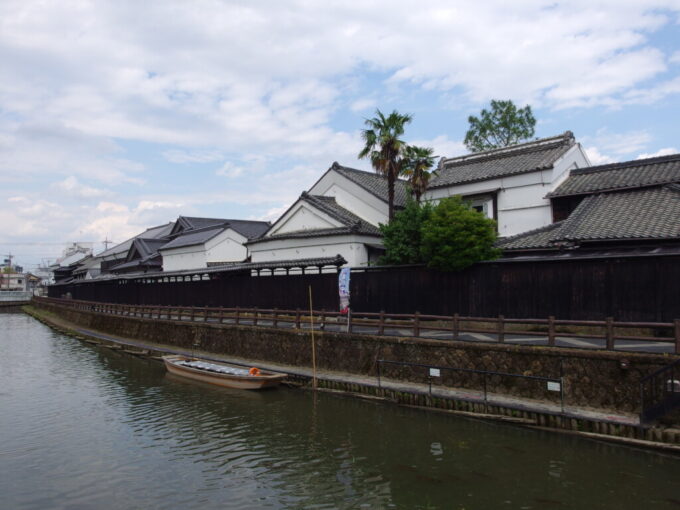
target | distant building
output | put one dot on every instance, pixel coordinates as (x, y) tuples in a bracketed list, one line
[(13, 282), (118, 254), (73, 255)]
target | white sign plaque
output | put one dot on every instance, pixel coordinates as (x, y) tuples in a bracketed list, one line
[(554, 386), (434, 372)]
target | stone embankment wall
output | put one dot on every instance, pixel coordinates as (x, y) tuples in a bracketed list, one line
[(595, 379)]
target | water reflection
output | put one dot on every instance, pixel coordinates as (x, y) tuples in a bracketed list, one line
[(85, 427)]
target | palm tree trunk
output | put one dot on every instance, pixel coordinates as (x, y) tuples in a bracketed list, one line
[(390, 195)]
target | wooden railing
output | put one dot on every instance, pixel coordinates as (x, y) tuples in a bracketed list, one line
[(415, 325)]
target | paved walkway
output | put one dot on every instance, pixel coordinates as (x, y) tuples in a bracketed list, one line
[(522, 404)]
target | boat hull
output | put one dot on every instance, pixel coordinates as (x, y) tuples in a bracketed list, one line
[(242, 382)]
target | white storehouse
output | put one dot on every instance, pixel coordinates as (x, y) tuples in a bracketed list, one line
[(510, 184), (201, 242), (339, 215)]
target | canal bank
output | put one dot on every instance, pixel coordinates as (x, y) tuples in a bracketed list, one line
[(89, 427), (347, 363)]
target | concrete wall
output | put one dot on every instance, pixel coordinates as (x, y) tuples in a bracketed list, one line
[(592, 379)]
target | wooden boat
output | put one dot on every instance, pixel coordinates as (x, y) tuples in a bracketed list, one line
[(221, 374)]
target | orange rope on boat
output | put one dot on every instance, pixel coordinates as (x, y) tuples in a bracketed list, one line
[(254, 371)]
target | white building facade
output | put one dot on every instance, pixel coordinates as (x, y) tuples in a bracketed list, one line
[(510, 184), (339, 215)]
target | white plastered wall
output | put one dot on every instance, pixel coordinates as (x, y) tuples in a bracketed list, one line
[(300, 217), (225, 247), (352, 197), (351, 247)]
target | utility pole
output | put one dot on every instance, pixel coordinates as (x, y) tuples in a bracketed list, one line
[(106, 243), (9, 270)]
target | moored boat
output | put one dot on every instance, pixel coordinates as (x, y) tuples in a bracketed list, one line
[(221, 374)]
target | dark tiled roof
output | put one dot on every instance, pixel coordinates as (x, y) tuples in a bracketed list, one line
[(194, 237), (149, 233), (156, 264), (651, 213), (191, 222), (375, 184), (351, 223), (532, 240), (148, 248), (337, 260), (249, 229), (630, 174), (641, 214), (517, 159)]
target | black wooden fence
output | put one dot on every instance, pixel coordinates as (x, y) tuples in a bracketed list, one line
[(644, 288)]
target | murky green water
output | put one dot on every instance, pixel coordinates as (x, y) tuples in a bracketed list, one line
[(86, 428)]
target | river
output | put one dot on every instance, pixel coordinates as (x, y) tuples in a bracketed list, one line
[(82, 427)]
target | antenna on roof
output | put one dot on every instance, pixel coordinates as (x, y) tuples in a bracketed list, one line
[(106, 242)]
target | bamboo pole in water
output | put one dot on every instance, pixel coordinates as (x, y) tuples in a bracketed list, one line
[(311, 319)]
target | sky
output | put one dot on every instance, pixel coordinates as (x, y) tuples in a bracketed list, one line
[(116, 116)]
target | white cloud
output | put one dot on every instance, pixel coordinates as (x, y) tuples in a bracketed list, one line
[(363, 104), (597, 158), (443, 146), (661, 152), (73, 187), (230, 170), (86, 84), (197, 156), (619, 143)]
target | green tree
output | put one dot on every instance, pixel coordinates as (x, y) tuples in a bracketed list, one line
[(456, 236), (384, 148), (504, 125), (402, 236), (416, 164)]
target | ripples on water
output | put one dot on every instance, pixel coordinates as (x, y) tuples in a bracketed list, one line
[(84, 427)]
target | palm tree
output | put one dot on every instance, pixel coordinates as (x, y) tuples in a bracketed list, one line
[(416, 165), (384, 148)]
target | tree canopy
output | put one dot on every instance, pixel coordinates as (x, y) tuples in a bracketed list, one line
[(415, 164), (402, 236), (384, 148), (455, 236), (504, 125)]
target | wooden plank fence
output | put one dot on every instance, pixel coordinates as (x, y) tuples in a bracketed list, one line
[(389, 324)]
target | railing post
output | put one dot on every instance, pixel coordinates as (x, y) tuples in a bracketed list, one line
[(255, 315), (381, 324), (501, 328), (221, 314), (416, 324), (455, 326), (193, 313), (238, 315), (205, 314), (610, 333), (551, 331), (275, 322), (297, 318), (677, 335)]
